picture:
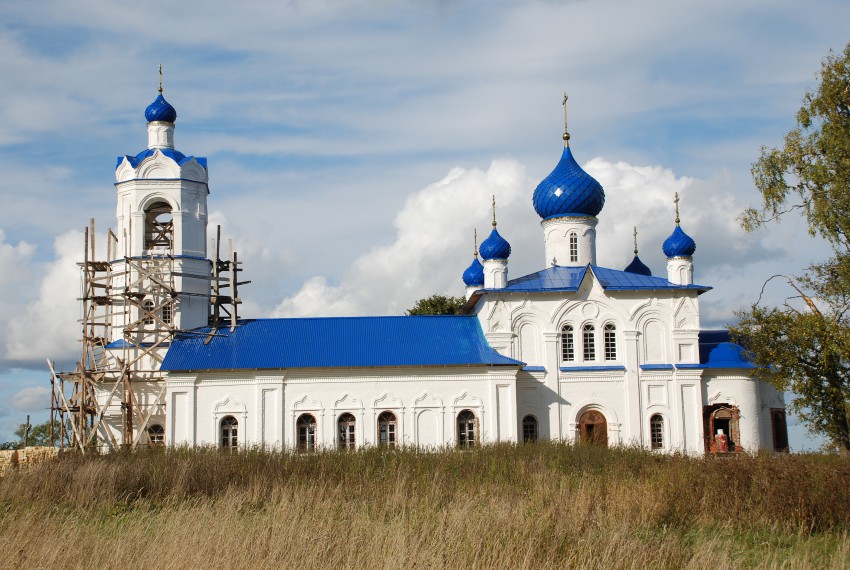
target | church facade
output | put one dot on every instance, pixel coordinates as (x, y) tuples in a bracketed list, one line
[(574, 352)]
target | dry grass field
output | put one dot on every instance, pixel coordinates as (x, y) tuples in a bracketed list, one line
[(544, 505)]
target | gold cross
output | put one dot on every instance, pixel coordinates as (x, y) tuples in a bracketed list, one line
[(676, 202), (494, 210)]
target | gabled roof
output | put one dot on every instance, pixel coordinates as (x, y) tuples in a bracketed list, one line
[(336, 342), (558, 278)]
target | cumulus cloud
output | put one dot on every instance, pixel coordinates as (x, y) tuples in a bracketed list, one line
[(429, 252), (431, 246), (47, 325)]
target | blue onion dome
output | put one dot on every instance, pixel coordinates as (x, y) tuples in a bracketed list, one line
[(160, 110), (568, 191), (474, 274), (679, 244), (637, 266), (495, 246)]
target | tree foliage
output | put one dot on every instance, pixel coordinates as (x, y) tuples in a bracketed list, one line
[(39, 435), (438, 305), (804, 345)]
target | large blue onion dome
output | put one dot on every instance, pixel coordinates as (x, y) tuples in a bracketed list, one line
[(160, 110), (568, 190), (679, 244), (474, 274), (495, 246), (637, 266)]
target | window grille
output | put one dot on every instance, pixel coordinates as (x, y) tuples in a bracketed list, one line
[(610, 339), (589, 342), (166, 313), (306, 427), (229, 432), (156, 434), (387, 429), (147, 307), (466, 429), (346, 425), (568, 349), (573, 247), (529, 429), (656, 431)]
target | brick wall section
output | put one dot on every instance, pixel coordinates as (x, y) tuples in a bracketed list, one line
[(25, 458)]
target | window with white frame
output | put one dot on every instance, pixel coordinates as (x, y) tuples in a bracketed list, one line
[(156, 434), (609, 338), (387, 429), (568, 348), (166, 313), (588, 334), (147, 314), (573, 247), (346, 425), (229, 428), (466, 429), (306, 428), (656, 431)]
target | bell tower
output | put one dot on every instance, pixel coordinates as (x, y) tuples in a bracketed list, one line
[(161, 231)]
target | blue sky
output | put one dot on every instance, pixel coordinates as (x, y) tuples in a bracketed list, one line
[(352, 145)]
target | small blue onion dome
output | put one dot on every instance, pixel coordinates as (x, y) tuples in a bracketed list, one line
[(474, 274), (495, 247), (160, 110), (568, 190), (637, 266), (679, 244)]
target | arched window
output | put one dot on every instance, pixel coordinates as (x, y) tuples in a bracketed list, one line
[(156, 434), (147, 314), (589, 342), (573, 247), (609, 337), (159, 226), (568, 349), (166, 313), (466, 429), (229, 432), (387, 429), (529, 429), (306, 428), (656, 431), (345, 425)]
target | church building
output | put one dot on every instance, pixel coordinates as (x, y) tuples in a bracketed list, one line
[(576, 351)]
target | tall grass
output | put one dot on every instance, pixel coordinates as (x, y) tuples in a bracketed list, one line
[(528, 506)]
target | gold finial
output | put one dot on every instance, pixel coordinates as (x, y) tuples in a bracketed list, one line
[(494, 211), (475, 239), (634, 233), (676, 202), (566, 132), (160, 78)]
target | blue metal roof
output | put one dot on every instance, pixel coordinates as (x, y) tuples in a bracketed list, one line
[(559, 278), (568, 190), (337, 342), (175, 155), (495, 247), (679, 244), (160, 110)]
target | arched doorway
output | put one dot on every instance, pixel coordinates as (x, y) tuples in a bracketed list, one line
[(593, 428)]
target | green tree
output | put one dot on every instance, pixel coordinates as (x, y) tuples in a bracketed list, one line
[(804, 345), (438, 305), (39, 434)]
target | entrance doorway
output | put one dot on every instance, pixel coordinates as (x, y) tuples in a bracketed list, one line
[(593, 428)]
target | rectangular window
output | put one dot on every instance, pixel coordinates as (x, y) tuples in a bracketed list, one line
[(656, 432), (568, 349), (610, 339), (589, 342), (573, 247)]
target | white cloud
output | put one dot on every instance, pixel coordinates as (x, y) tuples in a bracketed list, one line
[(430, 250), (47, 326), (31, 399)]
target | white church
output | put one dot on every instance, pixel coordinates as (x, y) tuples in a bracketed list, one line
[(575, 352)]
